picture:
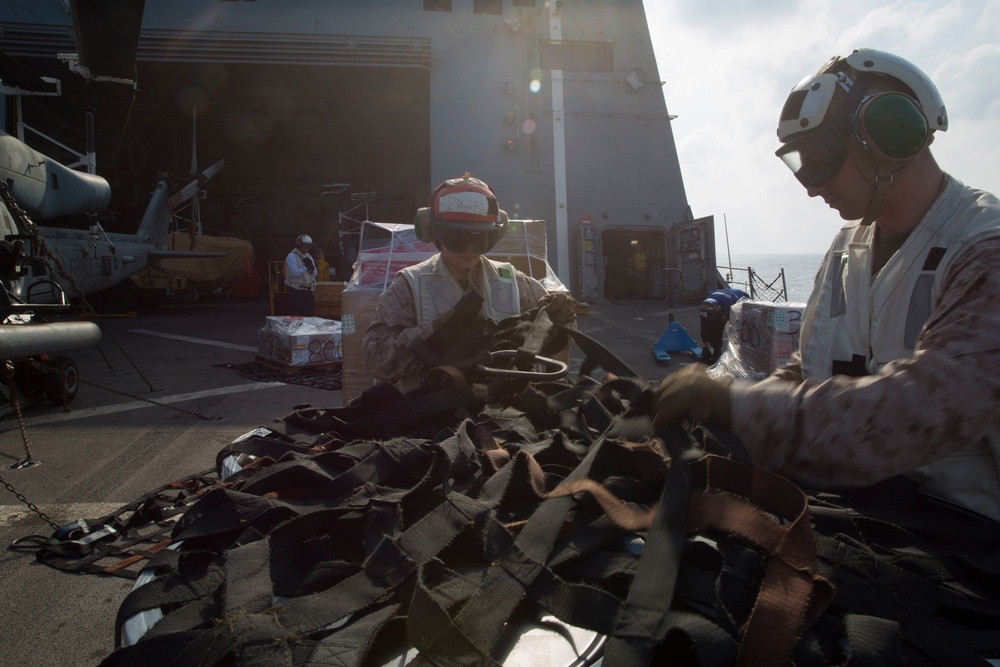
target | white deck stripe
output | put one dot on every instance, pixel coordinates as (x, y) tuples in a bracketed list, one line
[(61, 513), (136, 405), (200, 341)]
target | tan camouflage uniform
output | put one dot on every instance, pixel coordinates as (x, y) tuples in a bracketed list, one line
[(851, 431), (394, 326)]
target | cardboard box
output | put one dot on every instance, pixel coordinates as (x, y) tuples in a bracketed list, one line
[(762, 336), (535, 267), (358, 305), (300, 341), (328, 295)]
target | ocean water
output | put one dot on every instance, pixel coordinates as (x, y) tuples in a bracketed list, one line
[(800, 270)]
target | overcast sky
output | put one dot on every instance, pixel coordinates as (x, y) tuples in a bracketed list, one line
[(728, 66)]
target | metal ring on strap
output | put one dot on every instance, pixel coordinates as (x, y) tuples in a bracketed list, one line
[(558, 370)]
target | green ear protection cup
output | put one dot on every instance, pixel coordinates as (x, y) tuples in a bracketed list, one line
[(422, 225), (892, 124)]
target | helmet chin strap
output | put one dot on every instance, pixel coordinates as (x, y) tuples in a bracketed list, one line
[(883, 174), (883, 180)]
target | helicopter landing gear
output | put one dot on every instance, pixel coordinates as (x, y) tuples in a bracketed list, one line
[(62, 380), (38, 378)]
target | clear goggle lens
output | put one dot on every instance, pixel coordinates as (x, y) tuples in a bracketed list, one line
[(815, 157)]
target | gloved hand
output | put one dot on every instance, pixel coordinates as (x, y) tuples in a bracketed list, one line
[(310, 265), (457, 333), (469, 305), (689, 392), (560, 306), (441, 319)]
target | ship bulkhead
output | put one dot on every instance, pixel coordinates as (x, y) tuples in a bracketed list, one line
[(330, 113)]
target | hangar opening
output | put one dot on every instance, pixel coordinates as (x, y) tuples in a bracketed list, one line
[(308, 128)]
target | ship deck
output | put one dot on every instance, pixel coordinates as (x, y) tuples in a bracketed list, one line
[(115, 444)]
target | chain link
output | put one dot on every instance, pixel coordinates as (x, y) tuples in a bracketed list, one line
[(7, 370), (30, 505)]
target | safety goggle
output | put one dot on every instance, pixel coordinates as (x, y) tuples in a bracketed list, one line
[(815, 157), (458, 237)]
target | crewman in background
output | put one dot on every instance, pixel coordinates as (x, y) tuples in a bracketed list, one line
[(300, 278), (639, 270), (715, 311), (322, 266)]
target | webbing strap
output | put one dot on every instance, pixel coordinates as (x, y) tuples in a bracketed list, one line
[(348, 647), (873, 641), (482, 618), (248, 578), (206, 647), (163, 591), (599, 355), (429, 621), (861, 587), (644, 619), (390, 564), (793, 593), (228, 511)]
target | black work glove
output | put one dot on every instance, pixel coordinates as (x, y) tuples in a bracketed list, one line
[(460, 332), (469, 305), (310, 264), (465, 310)]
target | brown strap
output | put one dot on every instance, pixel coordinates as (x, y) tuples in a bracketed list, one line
[(146, 553), (771, 513)]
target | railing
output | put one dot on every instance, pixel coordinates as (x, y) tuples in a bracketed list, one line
[(750, 282)]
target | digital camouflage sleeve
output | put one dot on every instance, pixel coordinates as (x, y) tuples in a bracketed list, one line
[(849, 431)]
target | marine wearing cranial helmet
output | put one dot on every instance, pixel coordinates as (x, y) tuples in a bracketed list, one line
[(432, 313), (897, 366), (874, 106)]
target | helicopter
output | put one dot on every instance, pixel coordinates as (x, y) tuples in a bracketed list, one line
[(40, 266), (92, 260)]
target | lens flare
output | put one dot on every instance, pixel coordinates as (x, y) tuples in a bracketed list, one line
[(536, 80)]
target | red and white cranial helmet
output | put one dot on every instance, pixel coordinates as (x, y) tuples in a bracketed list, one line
[(463, 212)]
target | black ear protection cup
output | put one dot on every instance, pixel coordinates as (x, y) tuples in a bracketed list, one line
[(891, 125)]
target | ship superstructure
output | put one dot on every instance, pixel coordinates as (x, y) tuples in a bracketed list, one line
[(326, 112)]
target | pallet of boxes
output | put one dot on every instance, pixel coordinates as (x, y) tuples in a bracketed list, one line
[(385, 248), (761, 336), (293, 344)]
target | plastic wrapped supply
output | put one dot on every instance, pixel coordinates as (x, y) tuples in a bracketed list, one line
[(386, 248), (761, 337), (300, 341)]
